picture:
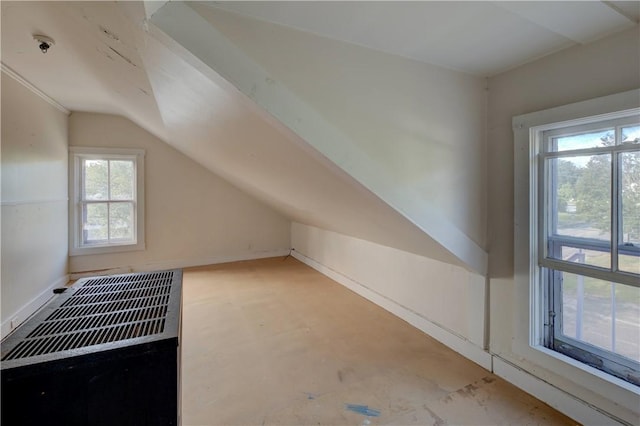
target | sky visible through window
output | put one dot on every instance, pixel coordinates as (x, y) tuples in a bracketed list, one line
[(593, 140)]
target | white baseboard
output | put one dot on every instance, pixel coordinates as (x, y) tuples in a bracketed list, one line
[(562, 401), (31, 307), (438, 332), (188, 263), (112, 271), (183, 263)]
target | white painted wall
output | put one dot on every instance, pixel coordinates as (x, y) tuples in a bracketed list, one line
[(444, 300), (410, 286), (192, 216), (605, 67), (34, 201), (421, 125)]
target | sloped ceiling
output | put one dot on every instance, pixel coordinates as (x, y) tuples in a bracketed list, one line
[(108, 58), (215, 126), (94, 64), (480, 38), (182, 28)]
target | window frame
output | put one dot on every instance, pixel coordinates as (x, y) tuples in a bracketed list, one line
[(76, 155), (550, 241), (526, 348)]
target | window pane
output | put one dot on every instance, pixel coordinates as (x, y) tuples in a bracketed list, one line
[(121, 221), (96, 185), (601, 313), (580, 188), (595, 139), (94, 227), (629, 263), (631, 134), (122, 180), (588, 257)]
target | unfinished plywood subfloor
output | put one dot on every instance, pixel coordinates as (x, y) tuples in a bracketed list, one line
[(276, 342)]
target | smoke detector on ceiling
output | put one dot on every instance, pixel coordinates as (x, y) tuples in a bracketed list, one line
[(44, 42)]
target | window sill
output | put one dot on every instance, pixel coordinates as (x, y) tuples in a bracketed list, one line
[(589, 370), (83, 251), (570, 375)]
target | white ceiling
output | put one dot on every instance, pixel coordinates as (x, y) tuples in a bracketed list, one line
[(93, 66), (96, 64), (480, 38), (105, 60)]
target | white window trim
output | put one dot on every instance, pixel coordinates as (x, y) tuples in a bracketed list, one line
[(75, 249), (557, 369)]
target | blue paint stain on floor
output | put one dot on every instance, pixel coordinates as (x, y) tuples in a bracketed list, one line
[(362, 409)]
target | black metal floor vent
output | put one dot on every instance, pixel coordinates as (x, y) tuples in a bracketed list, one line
[(112, 341), (92, 314)]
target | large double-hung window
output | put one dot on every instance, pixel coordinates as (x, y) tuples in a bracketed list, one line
[(588, 241)]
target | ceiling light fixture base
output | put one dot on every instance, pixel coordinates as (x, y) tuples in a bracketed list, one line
[(44, 42)]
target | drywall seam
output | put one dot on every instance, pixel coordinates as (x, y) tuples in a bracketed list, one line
[(32, 306), (151, 7), (17, 77), (437, 331), (35, 201)]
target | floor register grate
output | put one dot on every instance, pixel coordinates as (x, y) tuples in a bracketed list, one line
[(102, 310), (101, 334)]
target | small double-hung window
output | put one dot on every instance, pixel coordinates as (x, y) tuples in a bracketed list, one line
[(107, 208), (589, 242)]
